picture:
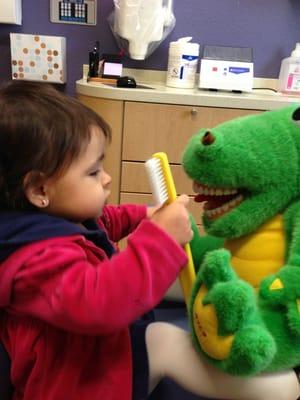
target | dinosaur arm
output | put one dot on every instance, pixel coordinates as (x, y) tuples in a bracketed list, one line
[(201, 244)]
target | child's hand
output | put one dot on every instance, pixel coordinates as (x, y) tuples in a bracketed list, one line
[(174, 219), (151, 210)]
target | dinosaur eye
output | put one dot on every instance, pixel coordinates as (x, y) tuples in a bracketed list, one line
[(208, 138), (296, 116)]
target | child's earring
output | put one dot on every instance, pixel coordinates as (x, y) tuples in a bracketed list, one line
[(44, 203)]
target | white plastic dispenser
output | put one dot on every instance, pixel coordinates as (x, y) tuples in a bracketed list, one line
[(11, 12), (226, 68), (289, 76), (182, 63)]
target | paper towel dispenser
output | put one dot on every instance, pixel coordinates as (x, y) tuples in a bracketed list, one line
[(11, 12)]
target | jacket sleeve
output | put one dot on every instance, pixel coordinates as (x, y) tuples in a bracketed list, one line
[(61, 285), (120, 221)]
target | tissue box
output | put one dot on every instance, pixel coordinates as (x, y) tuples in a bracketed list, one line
[(38, 58)]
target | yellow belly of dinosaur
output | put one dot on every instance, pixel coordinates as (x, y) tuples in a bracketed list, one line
[(253, 257)]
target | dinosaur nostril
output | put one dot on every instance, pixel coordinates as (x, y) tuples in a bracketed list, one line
[(208, 138)]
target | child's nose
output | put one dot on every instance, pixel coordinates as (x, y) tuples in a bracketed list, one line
[(106, 178)]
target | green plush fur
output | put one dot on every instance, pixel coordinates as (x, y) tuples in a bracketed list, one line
[(258, 155)]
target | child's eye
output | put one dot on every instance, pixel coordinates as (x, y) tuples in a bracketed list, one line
[(94, 173)]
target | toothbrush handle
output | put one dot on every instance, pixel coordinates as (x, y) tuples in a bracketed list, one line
[(187, 275)]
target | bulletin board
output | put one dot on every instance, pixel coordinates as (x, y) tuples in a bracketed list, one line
[(38, 58)]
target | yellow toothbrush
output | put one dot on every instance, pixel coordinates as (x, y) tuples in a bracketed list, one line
[(164, 192)]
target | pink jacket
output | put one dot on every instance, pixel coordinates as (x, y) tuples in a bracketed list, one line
[(67, 307)]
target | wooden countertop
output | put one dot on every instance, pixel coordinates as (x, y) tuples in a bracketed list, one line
[(155, 91)]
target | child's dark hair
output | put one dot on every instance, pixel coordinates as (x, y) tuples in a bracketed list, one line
[(41, 130)]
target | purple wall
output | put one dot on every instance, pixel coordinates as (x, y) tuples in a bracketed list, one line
[(271, 27)]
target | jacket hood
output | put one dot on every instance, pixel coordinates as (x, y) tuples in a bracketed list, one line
[(20, 228)]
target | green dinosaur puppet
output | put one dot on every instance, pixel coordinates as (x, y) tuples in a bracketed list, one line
[(245, 303)]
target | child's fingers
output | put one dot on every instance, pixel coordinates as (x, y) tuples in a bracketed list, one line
[(152, 209), (183, 199)]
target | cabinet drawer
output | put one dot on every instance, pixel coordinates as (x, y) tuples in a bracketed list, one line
[(149, 127), (195, 209), (134, 178)]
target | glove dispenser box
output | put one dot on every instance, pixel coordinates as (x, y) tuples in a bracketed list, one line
[(11, 12)]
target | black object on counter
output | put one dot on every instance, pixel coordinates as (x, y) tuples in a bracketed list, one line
[(126, 82), (94, 61)]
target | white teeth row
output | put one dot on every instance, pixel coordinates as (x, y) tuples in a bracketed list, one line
[(225, 207), (200, 189)]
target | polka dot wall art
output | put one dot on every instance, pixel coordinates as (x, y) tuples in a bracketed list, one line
[(38, 58)]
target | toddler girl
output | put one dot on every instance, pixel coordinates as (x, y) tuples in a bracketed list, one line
[(72, 306)]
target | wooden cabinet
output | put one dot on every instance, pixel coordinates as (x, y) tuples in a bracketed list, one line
[(152, 127), (141, 129)]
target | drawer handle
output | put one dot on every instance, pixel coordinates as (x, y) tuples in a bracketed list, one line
[(194, 112)]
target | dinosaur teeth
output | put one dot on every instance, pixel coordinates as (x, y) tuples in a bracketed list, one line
[(219, 211), (209, 191), (218, 201)]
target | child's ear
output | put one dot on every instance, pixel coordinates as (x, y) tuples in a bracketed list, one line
[(34, 189)]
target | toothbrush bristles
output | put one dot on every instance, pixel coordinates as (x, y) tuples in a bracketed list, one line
[(157, 180)]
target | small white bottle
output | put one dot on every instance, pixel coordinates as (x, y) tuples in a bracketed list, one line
[(182, 63), (289, 76)]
